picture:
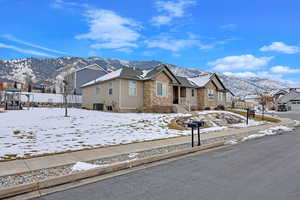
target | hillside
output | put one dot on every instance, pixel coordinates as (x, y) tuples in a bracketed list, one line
[(46, 69)]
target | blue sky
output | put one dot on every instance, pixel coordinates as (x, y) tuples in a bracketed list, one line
[(245, 38)]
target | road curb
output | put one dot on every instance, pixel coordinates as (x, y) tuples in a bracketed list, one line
[(60, 180)]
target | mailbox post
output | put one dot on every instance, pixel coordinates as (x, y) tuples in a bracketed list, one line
[(248, 112), (196, 124), (192, 126)]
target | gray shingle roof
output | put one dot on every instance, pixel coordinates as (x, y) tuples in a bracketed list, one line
[(139, 74)]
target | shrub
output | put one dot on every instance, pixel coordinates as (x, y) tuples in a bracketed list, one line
[(207, 108), (140, 110), (17, 132), (220, 107)]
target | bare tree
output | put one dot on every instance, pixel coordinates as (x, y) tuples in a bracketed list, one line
[(65, 80), (1, 96), (28, 81), (262, 100)]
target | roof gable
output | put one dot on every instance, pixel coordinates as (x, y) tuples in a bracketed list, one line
[(154, 72), (93, 67)]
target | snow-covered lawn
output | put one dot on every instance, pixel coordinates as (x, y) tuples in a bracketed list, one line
[(45, 130)]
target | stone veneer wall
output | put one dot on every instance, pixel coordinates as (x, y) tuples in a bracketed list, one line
[(153, 103)]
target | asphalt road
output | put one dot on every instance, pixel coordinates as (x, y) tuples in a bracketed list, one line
[(261, 169), (291, 115)]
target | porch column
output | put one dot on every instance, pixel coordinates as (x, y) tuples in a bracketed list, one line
[(179, 95)]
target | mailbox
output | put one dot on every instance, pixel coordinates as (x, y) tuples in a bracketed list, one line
[(199, 123), (196, 124), (252, 113), (192, 125)]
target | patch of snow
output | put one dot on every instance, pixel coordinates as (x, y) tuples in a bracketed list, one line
[(297, 123), (231, 142), (133, 155), (200, 80), (144, 73), (254, 136), (281, 128), (268, 132), (82, 166), (46, 130), (250, 123), (214, 128)]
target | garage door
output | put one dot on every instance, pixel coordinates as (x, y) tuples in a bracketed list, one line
[(295, 106)]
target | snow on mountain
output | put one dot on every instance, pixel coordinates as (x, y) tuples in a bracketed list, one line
[(48, 69)]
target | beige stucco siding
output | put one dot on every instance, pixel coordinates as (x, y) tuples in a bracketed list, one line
[(89, 96), (127, 101)]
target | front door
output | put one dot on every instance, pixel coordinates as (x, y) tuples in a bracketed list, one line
[(175, 95)]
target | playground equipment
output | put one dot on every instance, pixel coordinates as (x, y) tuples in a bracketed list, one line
[(12, 99)]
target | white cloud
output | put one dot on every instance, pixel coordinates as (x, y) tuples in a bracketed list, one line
[(284, 70), (169, 43), (170, 10), (25, 51), (281, 47), (243, 62), (60, 4), (241, 74), (259, 74), (13, 39), (110, 31), (228, 27)]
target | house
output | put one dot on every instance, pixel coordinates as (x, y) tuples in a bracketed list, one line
[(291, 100), (230, 99), (253, 99), (153, 90), (6, 84), (84, 75)]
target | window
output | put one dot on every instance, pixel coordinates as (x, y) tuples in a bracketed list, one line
[(210, 94), (132, 91), (220, 96), (161, 89), (193, 92), (110, 88), (97, 90)]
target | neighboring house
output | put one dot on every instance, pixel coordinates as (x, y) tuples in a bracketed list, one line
[(153, 90), (6, 84), (230, 99), (291, 100), (253, 99), (84, 75)]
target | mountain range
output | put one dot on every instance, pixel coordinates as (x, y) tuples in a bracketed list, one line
[(47, 69)]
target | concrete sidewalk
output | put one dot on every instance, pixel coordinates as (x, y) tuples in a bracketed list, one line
[(25, 165)]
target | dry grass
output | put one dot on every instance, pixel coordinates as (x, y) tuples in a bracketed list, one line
[(257, 117), (173, 125)]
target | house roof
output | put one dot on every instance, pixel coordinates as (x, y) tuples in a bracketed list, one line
[(135, 74), (292, 95), (200, 80), (92, 66), (184, 81), (150, 74), (106, 77)]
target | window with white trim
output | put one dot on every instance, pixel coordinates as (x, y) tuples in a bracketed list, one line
[(161, 89), (193, 92), (97, 90), (132, 88), (220, 96), (210, 94), (110, 88)]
